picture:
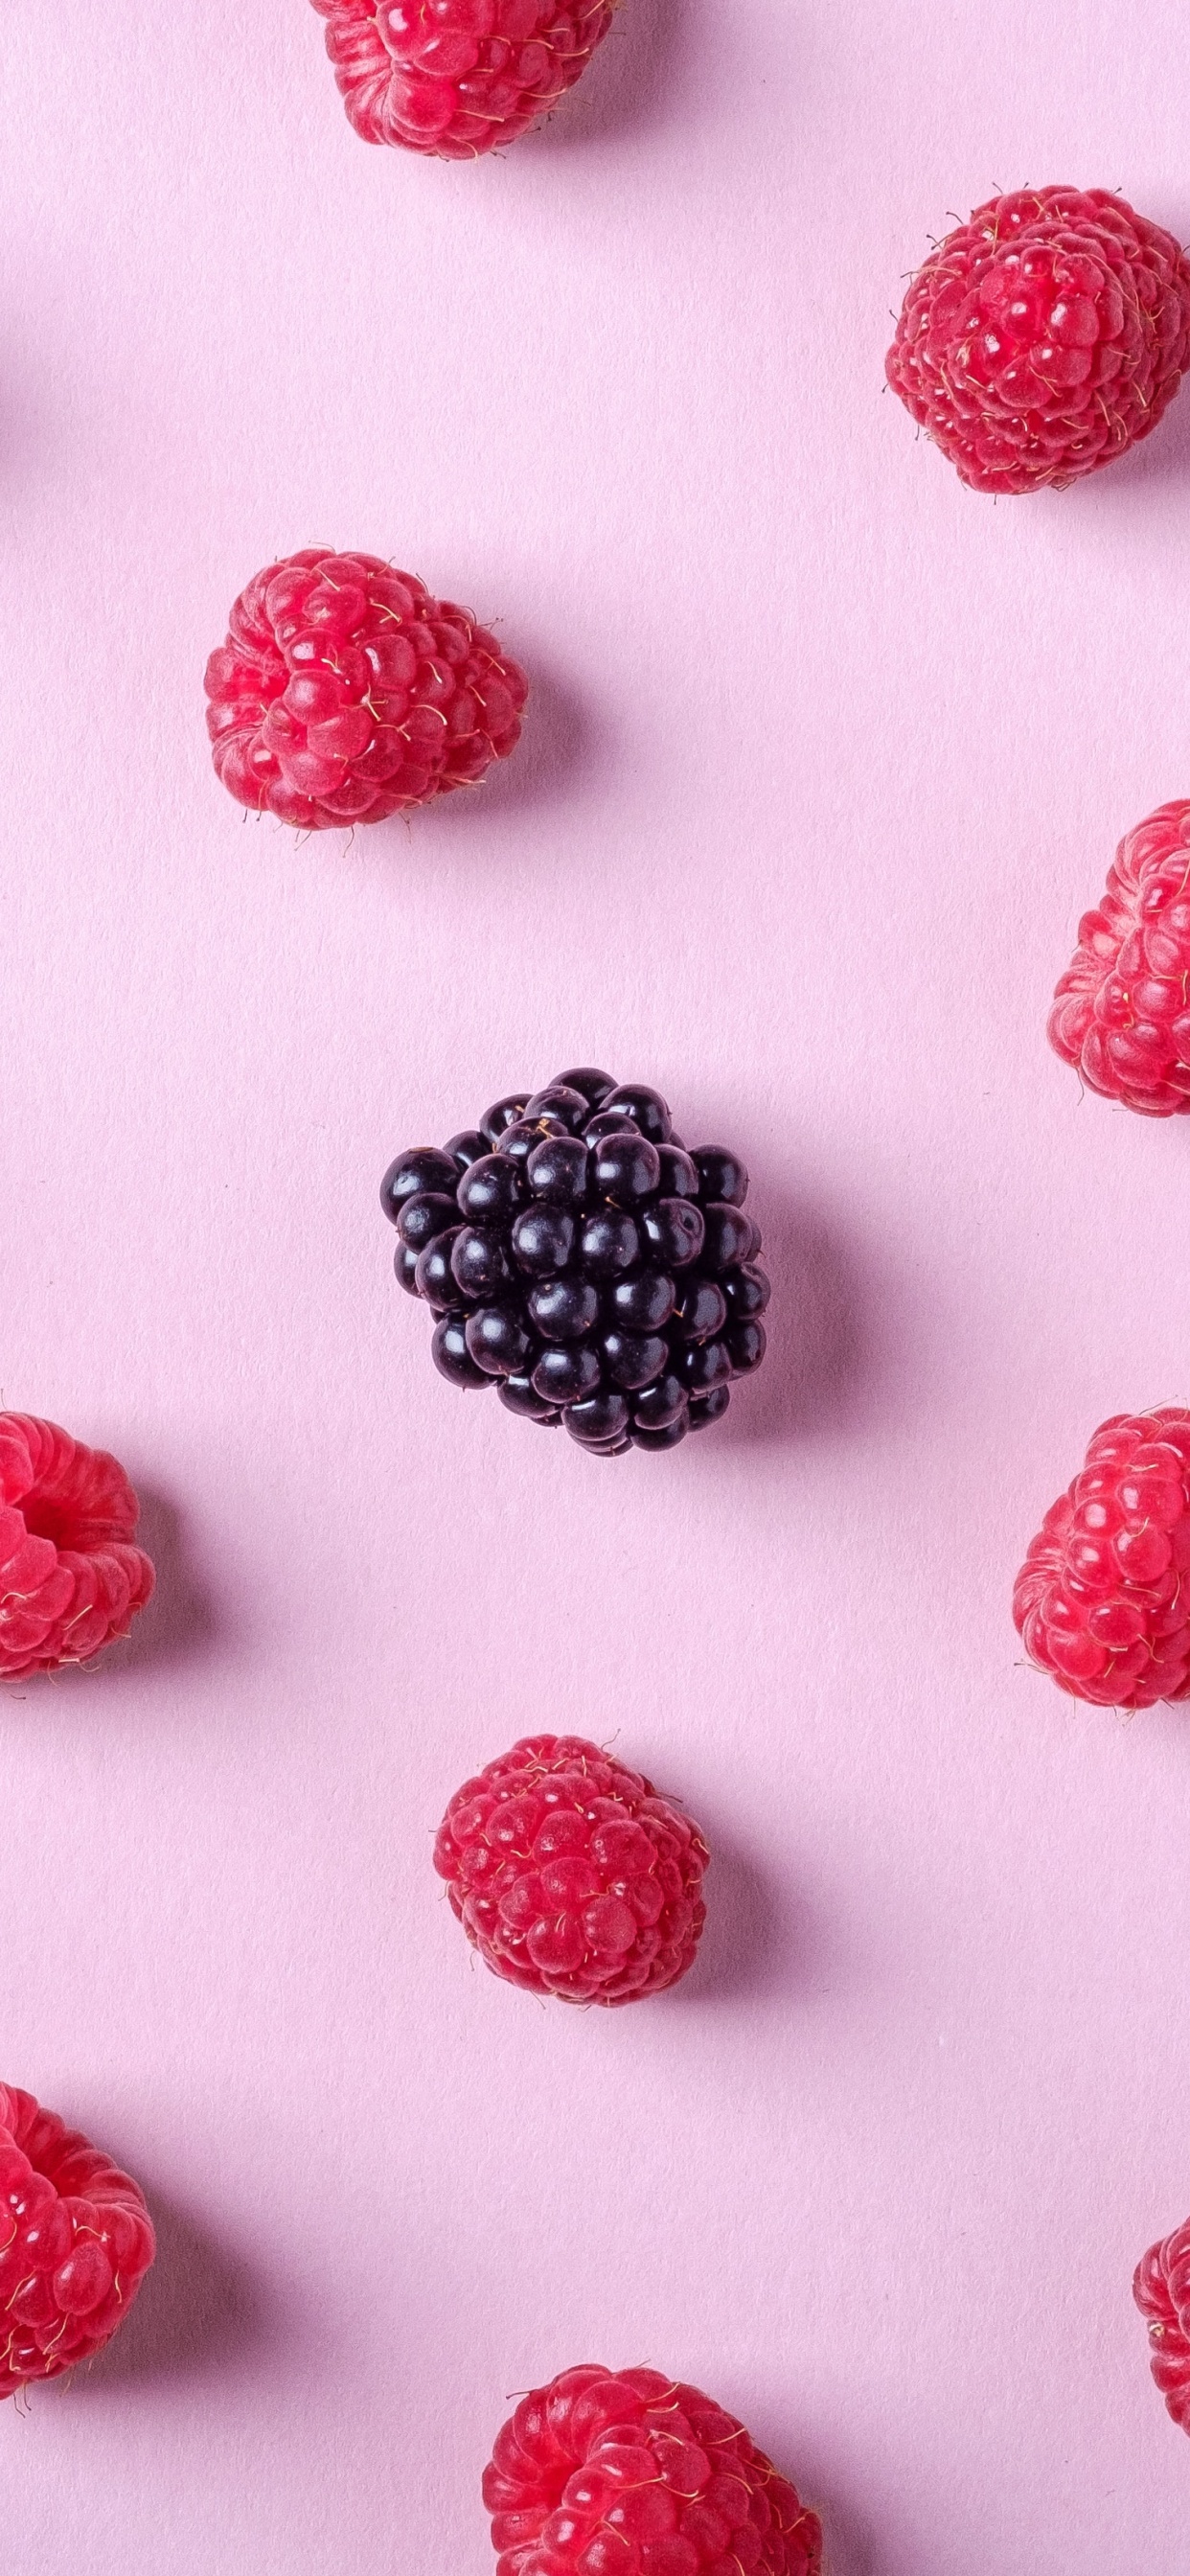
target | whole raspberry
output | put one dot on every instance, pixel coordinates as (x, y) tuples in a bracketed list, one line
[(1043, 338), (344, 693), (70, 1577), (571, 1875), (1121, 1012), (457, 77), (75, 2243), (577, 1255), (627, 2473), (1101, 1600), (1161, 2289)]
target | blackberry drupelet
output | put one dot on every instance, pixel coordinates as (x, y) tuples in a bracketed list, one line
[(579, 1258)]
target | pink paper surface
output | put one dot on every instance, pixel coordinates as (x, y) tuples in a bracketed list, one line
[(825, 760)]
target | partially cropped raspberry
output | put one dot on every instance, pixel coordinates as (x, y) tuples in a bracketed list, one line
[(71, 1578), (627, 2473), (1044, 337), (571, 1875), (457, 77), (1101, 1599), (1161, 2289), (344, 693), (1121, 1013), (75, 2243)]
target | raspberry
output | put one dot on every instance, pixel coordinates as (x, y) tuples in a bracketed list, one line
[(75, 2243), (70, 1577), (627, 2473), (573, 1251), (457, 77), (1043, 338), (570, 1874), (1161, 2289), (344, 693), (1121, 1013), (1099, 1598)]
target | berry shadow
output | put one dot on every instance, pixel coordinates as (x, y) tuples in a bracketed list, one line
[(560, 744), (627, 83), (179, 1623), (198, 2309), (825, 1351), (754, 1939)]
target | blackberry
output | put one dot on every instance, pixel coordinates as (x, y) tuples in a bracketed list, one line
[(578, 1257)]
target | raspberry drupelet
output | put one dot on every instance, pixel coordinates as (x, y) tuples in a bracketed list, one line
[(1044, 337), (627, 2473), (1121, 1012), (1161, 2289), (457, 77), (571, 1876), (1102, 1600), (344, 693), (75, 2243), (71, 1575)]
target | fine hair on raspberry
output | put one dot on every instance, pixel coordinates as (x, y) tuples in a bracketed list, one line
[(72, 1578), (1161, 2289), (457, 77), (628, 2473), (1101, 1600), (344, 693), (1044, 337), (571, 1875), (576, 1256), (1121, 1013), (75, 2243)]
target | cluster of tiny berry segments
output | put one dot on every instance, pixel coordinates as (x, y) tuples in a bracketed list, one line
[(576, 1256), (627, 2473), (570, 1874), (71, 1575), (457, 77), (75, 2243), (344, 693), (1101, 1599), (1161, 2290), (1121, 1013), (1044, 337)]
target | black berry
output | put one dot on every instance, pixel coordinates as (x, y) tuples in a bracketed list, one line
[(411, 1174), (720, 1175), (490, 1190)]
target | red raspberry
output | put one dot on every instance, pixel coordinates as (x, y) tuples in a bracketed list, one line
[(75, 2243), (70, 1576), (1161, 2289), (571, 1876), (345, 693), (627, 2473), (457, 77), (1121, 1015), (1099, 1599), (1044, 337)]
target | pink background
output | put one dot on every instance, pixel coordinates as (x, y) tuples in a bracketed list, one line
[(826, 758)]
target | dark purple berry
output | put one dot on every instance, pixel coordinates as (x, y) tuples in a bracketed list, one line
[(451, 1355), (526, 1134), (497, 1340), (543, 1240), (467, 1147), (412, 1175), (642, 1108), (559, 1101), (746, 1343), (567, 1373), (520, 1395), (557, 1169), (709, 1408), (479, 1261), (609, 1244), (660, 1404), (598, 1420), (501, 1114), (728, 1237), (564, 1309), (704, 1365), (667, 1438), (586, 1078), (405, 1261), (627, 1169), (702, 1309), (491, 1190), (420, 1219), (747, 1292), (720, 1175), (673, 1230), (633, 1359), (436, 1281), (642, 1302), (679, 1180)]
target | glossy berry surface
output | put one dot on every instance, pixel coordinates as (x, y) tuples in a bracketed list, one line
[(1043, 338), (1121, 1013), (1101, 1599), (71, 1576), (1161, 2289), (344, 693), (75, 2243), (584, 1262), (570, 1874), (627, 2473), (457, 77)]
